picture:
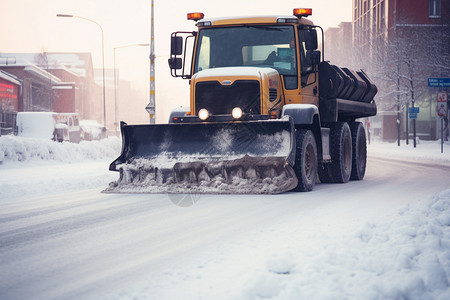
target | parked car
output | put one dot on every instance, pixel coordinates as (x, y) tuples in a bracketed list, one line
[(92, 130)]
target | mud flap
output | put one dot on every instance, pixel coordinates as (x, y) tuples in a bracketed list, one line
[(235, 157)]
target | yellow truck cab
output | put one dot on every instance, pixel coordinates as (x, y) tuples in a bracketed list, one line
[(281, 50)]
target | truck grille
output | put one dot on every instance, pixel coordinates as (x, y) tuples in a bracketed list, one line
[(220, 99)]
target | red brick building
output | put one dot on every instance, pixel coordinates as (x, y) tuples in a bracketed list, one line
[(10, 88), (403, 43), (10, 92), (377, 20), (59, 82), (36, 83)]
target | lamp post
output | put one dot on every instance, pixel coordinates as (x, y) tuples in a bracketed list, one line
[(103, 59), (115, 80), (150, 108)]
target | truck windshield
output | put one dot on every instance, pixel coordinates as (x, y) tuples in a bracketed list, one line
[(259, 46)]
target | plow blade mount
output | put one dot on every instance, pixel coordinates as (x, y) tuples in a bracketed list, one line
[(254, 157)]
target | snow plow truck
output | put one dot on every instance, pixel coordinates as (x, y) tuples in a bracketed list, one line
[(267, 114)]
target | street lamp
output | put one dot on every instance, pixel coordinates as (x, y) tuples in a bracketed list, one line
[(115, 80), (150, 108), (103, 59)]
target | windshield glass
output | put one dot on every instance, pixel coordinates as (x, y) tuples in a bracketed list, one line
[(259, 46)]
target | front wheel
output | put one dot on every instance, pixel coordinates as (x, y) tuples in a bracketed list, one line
[(305, 160)]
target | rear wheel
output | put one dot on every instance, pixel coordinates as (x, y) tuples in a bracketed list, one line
[(359, 149), (340, 168), (305, 160)]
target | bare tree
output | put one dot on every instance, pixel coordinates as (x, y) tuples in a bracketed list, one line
[(401, 64), (43, 93)]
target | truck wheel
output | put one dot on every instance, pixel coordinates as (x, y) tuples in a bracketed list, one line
[(340, 168), (305, 160), (359, 151)]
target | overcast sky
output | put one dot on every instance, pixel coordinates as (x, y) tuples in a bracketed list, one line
[(32, 26)]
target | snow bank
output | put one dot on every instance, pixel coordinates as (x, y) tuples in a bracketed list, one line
[(425, 150), (34, 166), (18, 149), (404, 256)]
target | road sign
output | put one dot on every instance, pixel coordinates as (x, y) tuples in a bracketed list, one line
[(412, 115), (441, 105), (439, 82), (414, 110)]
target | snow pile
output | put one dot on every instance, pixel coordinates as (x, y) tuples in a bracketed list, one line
[(425, 150), (405, 256), (14, 149), (34, 166)]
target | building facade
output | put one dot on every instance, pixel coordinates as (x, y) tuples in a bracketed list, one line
[(338, 45), (36, 93), (402, 43), (10, 91), (52, 81)]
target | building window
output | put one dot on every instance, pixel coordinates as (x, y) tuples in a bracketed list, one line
[(435, 8)]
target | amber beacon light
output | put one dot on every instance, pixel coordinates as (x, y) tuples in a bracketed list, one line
[(195, 16), (302, 12)]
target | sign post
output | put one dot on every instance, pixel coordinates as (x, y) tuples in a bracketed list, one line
[(413, 111), (441, 109)]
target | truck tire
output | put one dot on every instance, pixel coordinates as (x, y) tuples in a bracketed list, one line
[(340, 168), (359, 151), (305, 160)]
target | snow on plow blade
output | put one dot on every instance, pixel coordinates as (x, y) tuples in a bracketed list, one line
[(254, 157)]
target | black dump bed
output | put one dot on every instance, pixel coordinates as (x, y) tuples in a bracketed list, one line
[(345, 94), (344, 83)]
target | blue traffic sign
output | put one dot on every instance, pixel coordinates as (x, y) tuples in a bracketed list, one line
[(414, 110), (412, 115), (439, 82)]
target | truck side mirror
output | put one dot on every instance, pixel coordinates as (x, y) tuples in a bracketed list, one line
[(311, 39), (175, 63), (176, 45), (181, 44)]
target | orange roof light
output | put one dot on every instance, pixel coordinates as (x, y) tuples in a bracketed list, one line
[(302, 12), (195, 16)]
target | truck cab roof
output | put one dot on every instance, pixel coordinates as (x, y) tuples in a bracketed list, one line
[(247, 20)]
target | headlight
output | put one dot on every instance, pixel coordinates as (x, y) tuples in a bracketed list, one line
[(203, 114), (236, 113)]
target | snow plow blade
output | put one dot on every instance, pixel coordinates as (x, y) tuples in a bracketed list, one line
[(253, 157)]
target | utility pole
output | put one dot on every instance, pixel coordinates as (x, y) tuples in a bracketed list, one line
[(151, 105), (398, 100)]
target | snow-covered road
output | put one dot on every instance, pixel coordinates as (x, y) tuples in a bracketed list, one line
[(383, 237)]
